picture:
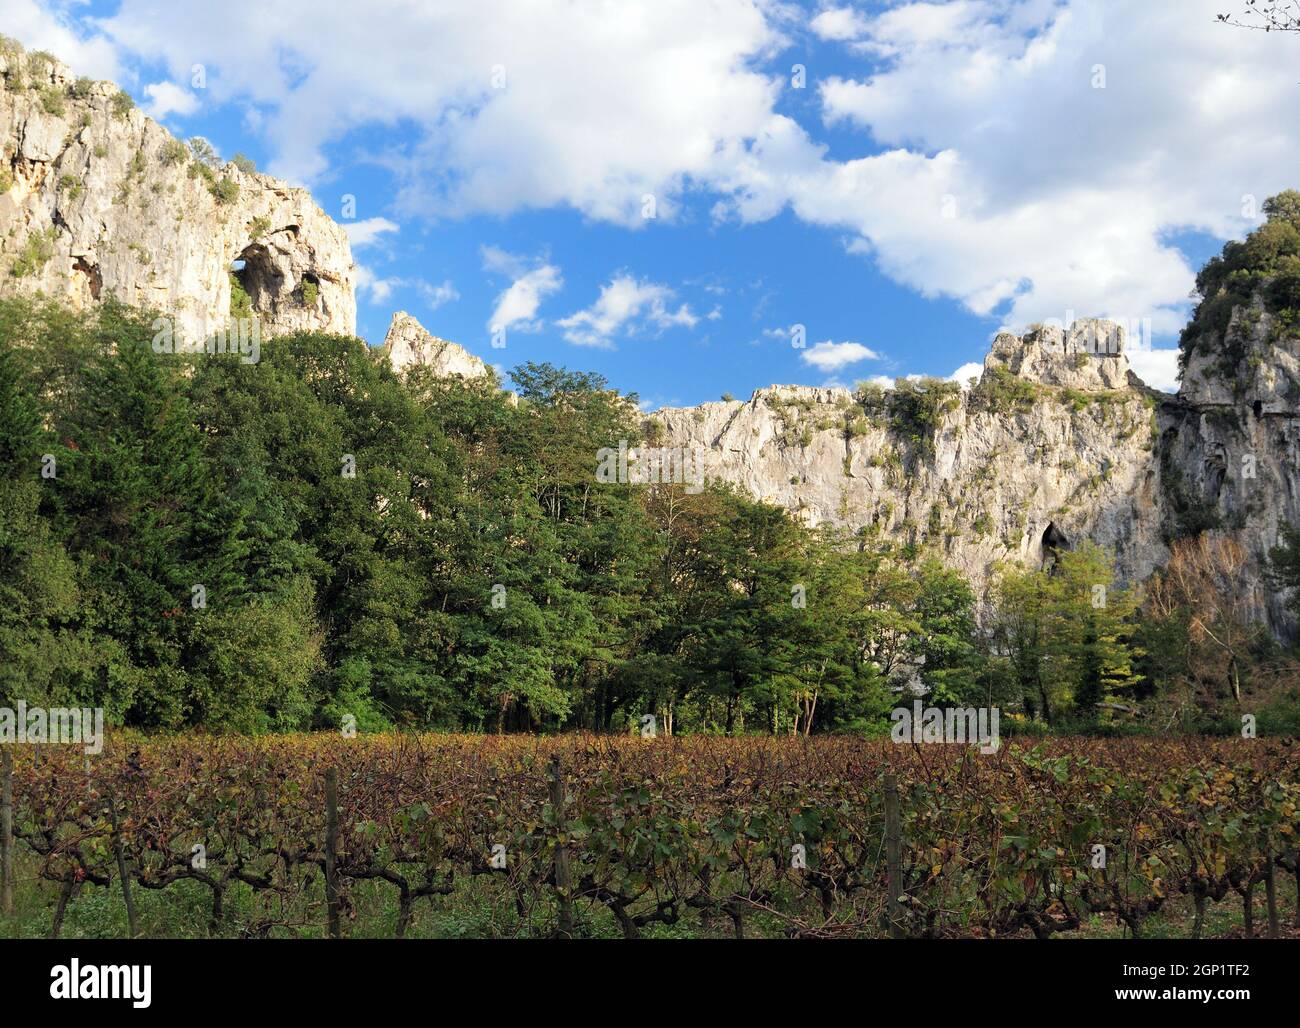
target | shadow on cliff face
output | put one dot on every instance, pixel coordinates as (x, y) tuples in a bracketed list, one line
[(260, 277), (1052, 542)]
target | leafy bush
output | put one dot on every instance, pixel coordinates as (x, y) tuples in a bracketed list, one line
[(203, 151), (917, 408), (226, 190), (121, 105), (241, 304), (1001, 392), (173, 152), (11, 50), (39, 64), (52, 101), (35, 254)]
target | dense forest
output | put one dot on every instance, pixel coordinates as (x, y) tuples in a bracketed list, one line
[(197, 541)]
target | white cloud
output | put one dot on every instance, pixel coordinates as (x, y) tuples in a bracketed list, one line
[(830, 356), (436, 296), (516, 306), (41, 27), (371, 285), (1011, 183), (378, 289), (1157, 368), (625, 305), (839, 23), (168, 98), (366, 232), (594, 105), (966, 372)]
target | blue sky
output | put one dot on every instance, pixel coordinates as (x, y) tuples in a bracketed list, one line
[(940, 171)]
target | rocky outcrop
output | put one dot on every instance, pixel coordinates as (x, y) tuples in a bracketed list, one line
[(1058, 442), (99, 200), (1089, 355), (1050, 448), (1230, 446), (408, 344)]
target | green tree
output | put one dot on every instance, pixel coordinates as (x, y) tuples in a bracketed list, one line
[(1067, 633)]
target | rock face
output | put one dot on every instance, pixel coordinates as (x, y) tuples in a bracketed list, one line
[(99, 200), (1057, 443), (408, 344), (1089, 355), (1230, 445), (1052, 446)]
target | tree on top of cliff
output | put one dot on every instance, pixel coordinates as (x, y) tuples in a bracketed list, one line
[(1263, 267)]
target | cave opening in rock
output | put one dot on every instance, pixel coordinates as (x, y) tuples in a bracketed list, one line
[(1216, 470), (258, 279), (1053, 541), (309, 289), (94, 279)]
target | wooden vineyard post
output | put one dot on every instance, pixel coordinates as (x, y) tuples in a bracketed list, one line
[(893, 855), (1270, 893), (6, 833), (122, 872), (563, 879), (331, 850)]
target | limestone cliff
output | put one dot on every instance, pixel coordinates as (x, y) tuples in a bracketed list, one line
[(1230, 443), (99, 200), (1058, 442), (1049, 448), (408, 344)]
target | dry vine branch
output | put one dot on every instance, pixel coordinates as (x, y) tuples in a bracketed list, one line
[(1270, 16)]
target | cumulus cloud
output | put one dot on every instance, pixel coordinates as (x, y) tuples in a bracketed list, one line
[(966, 372), (830, 356), (1009, 181), (43, 27), (377, 289), (625, 305), (366, 232), (519, 104), (1157, 368), (166, 98), (534, 280), (437, 295), (839, 23)]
